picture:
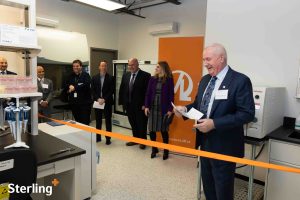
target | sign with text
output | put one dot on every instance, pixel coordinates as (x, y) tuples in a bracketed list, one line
[(184, 55)]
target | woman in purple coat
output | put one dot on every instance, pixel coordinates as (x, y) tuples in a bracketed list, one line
[(158, 107)]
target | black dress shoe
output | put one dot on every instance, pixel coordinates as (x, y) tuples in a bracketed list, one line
[(153, 155), (131, 143), (166, 154), (142, 146), (108, 142), (98, 138)]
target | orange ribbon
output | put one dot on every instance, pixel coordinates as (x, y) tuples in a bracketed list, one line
[(179, 149)]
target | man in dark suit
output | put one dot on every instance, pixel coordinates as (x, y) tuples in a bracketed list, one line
[(225, 98), (3, 67), (103, 85), (132, 96), (45, 86)]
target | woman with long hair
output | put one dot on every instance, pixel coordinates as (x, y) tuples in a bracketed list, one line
[(158, 107)]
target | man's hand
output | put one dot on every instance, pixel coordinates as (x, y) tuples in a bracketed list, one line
[(179, 109), (205, 125), (101, 101), (71, 88), (44, 104)]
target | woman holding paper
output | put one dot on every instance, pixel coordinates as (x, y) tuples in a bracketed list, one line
[(158, 107)]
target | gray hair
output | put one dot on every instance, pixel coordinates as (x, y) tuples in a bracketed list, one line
[(219, 49)]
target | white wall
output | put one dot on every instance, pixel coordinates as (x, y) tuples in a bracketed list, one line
[(101, 27), (135, 40), (262, 40)]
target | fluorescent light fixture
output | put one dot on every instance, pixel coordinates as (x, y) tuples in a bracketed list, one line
[(103, 4)]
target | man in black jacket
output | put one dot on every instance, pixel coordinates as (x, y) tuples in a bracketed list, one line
[(103, 85), (132, 96), (78, 88)]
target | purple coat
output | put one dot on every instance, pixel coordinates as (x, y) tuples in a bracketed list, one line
[(167, 94)]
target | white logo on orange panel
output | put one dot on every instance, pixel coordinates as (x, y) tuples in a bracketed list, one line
[(184, 94)]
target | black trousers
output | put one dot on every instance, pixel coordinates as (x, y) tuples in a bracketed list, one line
[(107, 115), (44, 111), (138, 121), (164, 134), (82, 113), (218, 179)]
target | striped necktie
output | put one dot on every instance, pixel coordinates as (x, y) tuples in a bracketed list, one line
[(206, 98)]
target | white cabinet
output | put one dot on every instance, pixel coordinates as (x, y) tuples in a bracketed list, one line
[(283, 185), (84, 140)]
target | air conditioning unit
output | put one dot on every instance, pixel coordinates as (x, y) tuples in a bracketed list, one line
[(165, 28), (45, 21)]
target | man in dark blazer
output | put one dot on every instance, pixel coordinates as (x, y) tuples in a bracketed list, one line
[(3, 67), (103, 86), (45, 86), (132, 96), (225, 98)]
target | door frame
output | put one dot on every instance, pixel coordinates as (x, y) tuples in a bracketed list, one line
[(103, 49)]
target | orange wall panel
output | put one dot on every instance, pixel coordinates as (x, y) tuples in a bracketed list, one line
[(184, 55)]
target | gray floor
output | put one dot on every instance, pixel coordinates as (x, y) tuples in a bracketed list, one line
[(128, 173)]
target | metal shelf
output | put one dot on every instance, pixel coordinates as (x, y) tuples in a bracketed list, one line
[(19, 95), (32, 50)]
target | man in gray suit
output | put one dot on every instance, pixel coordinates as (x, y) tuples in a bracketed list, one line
[(45, 86)]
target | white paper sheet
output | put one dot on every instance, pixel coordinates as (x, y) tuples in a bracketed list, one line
[(192, 114), (98, 106)]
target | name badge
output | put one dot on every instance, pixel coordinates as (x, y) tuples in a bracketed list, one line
[(221, 94), (75, 94), (45, 86), (80, 83)]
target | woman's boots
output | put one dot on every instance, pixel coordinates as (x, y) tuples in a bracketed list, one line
[(154, 152), (165, 136)]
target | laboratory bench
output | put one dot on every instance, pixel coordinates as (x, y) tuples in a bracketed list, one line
[(65, 167)]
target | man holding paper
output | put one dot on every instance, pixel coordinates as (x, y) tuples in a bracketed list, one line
[(225, 98), (103, 85)]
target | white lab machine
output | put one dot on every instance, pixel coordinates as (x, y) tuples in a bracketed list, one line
[(269, 111)]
